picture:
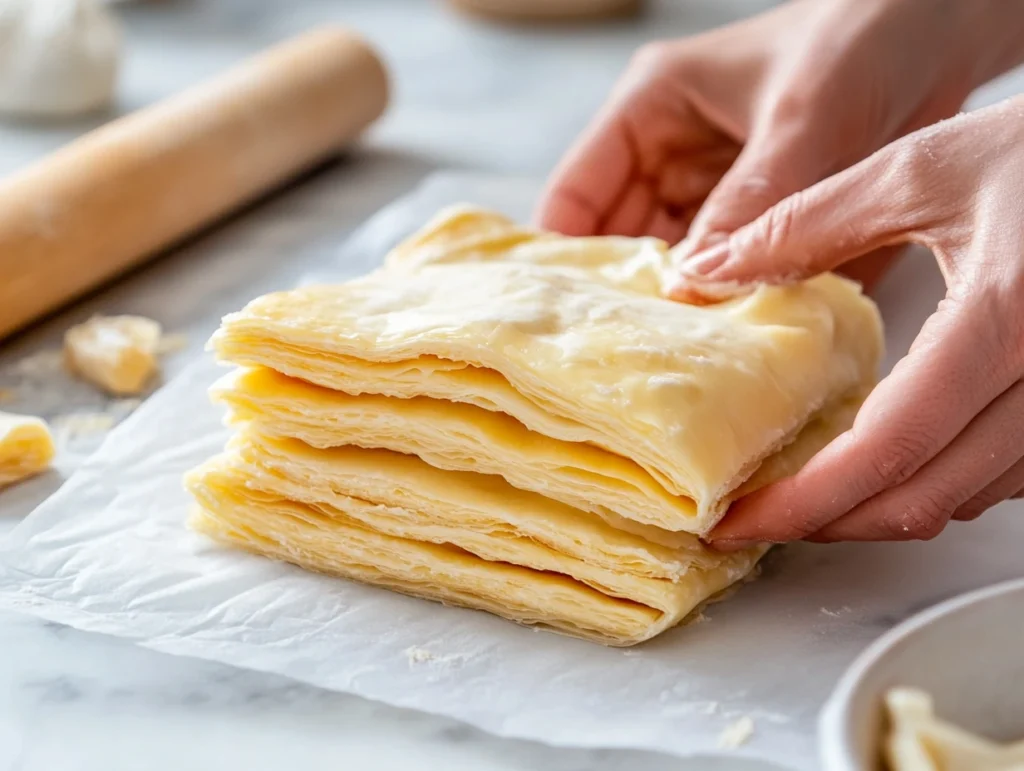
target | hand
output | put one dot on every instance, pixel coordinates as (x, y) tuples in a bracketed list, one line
[(730, 122), (942, 437)]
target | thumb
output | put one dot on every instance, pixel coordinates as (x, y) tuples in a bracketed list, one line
[(775, 163), (812, 231)]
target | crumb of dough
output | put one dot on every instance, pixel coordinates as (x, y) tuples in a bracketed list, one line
[(40, 364), (7, 395), (83, 424), (837, 612), (736, 734), (419, 655)]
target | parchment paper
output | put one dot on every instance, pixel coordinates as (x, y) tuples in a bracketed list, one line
[(109, 553)]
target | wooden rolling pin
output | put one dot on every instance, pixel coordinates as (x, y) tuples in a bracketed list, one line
[(549, 10), (132, 188)]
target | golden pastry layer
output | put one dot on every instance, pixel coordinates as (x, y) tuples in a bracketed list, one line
[(579, 351), (362, 513), (525, 405), (463, 437), (26, 447)]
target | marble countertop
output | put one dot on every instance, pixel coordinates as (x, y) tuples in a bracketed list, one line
[(468, 95)]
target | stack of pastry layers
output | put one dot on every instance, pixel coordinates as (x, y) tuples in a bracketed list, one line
[(518, 422)]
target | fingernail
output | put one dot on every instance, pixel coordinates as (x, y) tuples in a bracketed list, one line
[(706, 262), (714, 238), (697, 243), (733, 544)]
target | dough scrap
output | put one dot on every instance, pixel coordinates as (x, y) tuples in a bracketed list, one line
[(26, 447), (115, 353), (519, 422), (918, 740)]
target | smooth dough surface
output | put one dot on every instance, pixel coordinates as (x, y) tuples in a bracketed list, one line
[(918, 740), (519, 422)]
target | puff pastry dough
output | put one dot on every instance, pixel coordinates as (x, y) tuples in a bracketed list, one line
[(116, 353), (920, 741), (26, 447), (519, 422)]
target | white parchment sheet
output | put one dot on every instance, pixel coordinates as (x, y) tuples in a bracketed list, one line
[(109, 553)]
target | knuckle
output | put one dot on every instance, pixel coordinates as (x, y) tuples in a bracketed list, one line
[(974, 508), (898, 458), (775, 227), (925, 516), (1015, 328), (909, 166), (797, 531), (993, 313), (792, 106), (1006, 317), (658, 57)]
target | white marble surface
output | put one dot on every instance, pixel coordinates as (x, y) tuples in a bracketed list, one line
[(467, 95)]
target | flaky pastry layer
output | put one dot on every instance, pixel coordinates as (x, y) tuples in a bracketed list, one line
[(567, 570), (519, 422), (579, 351), (463, 437)]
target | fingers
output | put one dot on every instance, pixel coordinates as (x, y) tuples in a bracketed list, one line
[(688, 176), (648, 135), (954, 371), (670, 227), (818, 229), (770, 168), (963, 474), (633, 211), (664, 206), (626, 172), (590, 179), (1009, 485)]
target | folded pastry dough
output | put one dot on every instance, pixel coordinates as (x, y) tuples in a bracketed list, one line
[(519, 422), (463, 437), (393, 519)]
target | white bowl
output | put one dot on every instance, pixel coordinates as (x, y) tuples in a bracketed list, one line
[(967, 652)]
